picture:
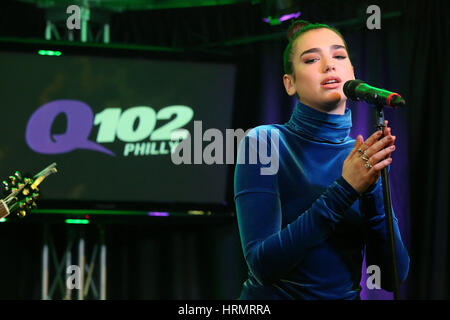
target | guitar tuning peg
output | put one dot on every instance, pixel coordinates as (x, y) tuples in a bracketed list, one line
[(22, 213), (29, 200), (26, 191), (35, 196), (5, 185), (18, 175), (27, 180), (13, 180), (34, 205)]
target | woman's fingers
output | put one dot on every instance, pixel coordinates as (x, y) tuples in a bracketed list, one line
[(387, 130), (380, 165), (376, 151), (376, 136), (389, 134), (380, 144), (381, 155), (371, 140), (358, 142)]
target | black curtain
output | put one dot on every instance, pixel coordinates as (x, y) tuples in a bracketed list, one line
[(429, 116)]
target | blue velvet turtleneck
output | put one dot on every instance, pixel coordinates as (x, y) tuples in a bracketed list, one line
[(304, 229), (320, 126)]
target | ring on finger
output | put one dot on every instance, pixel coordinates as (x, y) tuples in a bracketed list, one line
[(361, 151), (367, 165), (365, 156)]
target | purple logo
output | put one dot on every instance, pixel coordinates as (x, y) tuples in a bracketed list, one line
[(79, 125)]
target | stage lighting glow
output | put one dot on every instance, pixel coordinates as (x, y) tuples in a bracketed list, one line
[(276, 21), (77, 221), (49, 53), (294, 15), (275, 12), (158, 214)]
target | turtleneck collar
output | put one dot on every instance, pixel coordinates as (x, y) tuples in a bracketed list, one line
[(320, 126)]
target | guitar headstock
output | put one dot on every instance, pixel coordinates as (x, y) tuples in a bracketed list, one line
[(22, 192), (22, 197)]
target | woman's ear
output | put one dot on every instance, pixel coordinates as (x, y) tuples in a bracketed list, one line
[(289, 84)]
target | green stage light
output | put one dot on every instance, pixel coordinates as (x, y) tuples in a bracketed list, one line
[(49, 53), (77, 221)]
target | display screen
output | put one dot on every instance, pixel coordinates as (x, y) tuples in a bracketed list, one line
[(112, 125)]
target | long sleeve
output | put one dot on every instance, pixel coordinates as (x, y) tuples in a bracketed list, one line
[(270, 250), (378, 250)]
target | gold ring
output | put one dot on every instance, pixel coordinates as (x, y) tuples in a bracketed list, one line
[(367, 165), (365, 156), (361, 151)]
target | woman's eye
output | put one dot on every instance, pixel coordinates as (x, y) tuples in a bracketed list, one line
[(340, 57), (310, 60)]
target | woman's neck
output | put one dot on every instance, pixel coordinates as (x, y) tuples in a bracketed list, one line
[(334, 108)]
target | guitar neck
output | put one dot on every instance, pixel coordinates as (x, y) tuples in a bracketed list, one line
[(4, 210)]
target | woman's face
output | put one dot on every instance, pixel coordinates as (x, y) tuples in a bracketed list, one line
[(319, 56)]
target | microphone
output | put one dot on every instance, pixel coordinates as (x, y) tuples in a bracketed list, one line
[(358, 90)]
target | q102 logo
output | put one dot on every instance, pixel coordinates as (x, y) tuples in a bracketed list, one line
[(113, 124)]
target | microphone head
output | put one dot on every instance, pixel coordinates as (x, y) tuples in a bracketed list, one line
[(397, 101), (349, 88)]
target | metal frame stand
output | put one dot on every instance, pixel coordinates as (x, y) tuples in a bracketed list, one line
[(56, 28), (75, 235)]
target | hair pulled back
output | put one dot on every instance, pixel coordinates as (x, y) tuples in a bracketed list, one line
[(296, 29)]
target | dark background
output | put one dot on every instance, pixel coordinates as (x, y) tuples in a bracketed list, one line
[(200, 257)]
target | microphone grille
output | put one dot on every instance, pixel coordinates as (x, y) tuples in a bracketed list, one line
[(349, 88), (397, 101)]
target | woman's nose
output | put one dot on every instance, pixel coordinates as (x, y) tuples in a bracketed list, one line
[(328, 66)]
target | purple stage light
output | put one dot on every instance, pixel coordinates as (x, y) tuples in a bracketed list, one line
[(158, 214), (274, 21), (290, 16)]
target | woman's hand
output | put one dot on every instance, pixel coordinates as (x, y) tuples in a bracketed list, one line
[(377, 155)]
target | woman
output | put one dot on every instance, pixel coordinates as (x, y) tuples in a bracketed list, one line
[(304, 228)]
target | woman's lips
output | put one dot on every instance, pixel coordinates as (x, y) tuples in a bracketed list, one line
[(330, 85)]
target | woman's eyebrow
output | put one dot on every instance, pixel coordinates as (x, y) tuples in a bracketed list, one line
[(334, 47)]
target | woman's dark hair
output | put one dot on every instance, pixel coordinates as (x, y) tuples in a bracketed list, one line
[(296, 29)]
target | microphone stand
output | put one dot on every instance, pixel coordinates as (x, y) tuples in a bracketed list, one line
[(388, 206)]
